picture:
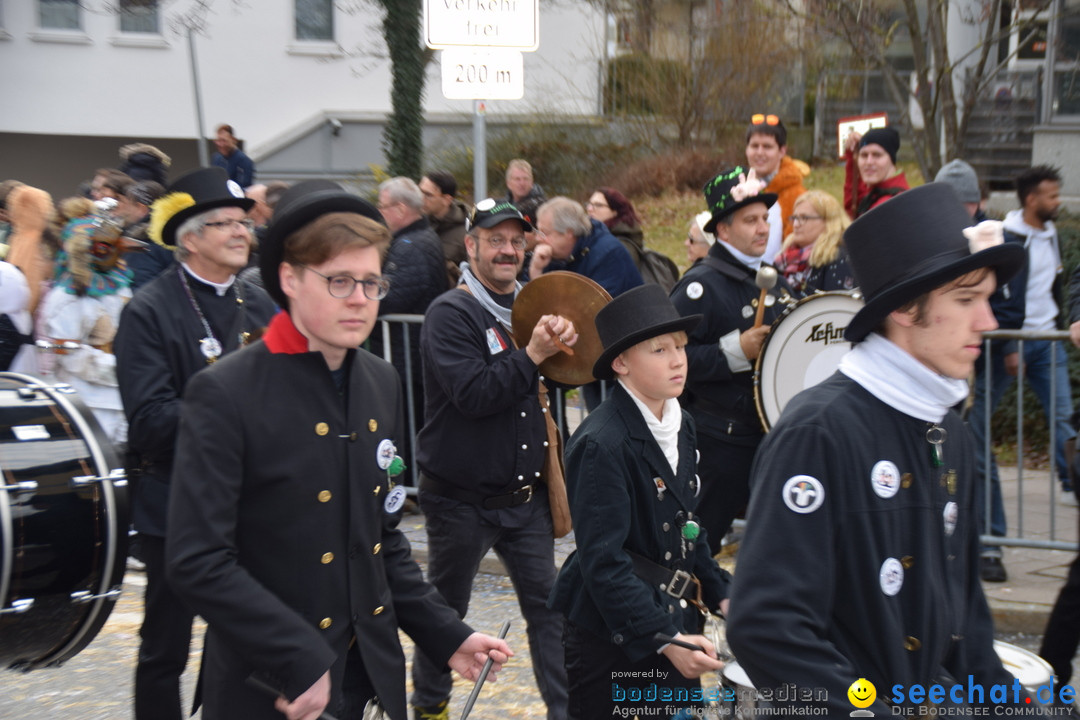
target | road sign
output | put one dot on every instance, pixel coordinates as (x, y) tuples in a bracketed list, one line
[(482, 23), (483, 74)]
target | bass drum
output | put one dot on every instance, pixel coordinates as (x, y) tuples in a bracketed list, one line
[(63, 524), (803, 348)]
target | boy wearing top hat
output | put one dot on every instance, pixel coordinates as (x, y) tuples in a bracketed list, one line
[(642, 566), (860, 558), (285, 501)]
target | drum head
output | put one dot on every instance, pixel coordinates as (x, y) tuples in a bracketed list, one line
[(803, 348), (1027, 667)]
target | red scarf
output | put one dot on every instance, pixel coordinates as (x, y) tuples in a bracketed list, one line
[(283, 337)]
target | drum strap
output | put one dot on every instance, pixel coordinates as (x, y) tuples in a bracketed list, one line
[(676, 583)]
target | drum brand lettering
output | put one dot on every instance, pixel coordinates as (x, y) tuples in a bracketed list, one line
[(826, 333)]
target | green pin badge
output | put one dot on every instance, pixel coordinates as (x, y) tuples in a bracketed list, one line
[(397, 466), (691, 530)]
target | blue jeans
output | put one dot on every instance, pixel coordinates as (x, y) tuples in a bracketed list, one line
[(459, 535), (1038, 374)]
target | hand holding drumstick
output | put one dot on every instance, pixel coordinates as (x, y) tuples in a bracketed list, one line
[(552, 334)]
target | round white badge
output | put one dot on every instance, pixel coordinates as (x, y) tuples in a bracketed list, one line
[(394, 500), (385, 453), (803, 494), (770, 300), (694, 290), (695, 485), (747, 311), (235, 189), (885, 478), (949, 516), (891, 576)]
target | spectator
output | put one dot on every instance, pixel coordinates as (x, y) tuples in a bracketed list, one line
[(697, 240), (766, 154), (447, 217), (965, 182), (612, 208), (871, 176), (813, 258), (109, 183), (135, 210), (230, 156), (521, 189)]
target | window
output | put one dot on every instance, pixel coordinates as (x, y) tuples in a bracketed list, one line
[(314, 19), (59, 14), (139, 16)]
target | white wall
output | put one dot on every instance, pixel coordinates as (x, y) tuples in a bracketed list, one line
[(254, 75)]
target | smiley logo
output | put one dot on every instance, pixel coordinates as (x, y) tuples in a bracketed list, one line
[(862, 693)]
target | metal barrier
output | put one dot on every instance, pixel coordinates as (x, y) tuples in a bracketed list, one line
[(1050, 539)]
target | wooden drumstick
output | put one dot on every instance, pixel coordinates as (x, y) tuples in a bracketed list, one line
[(558, 341), (766, 280)]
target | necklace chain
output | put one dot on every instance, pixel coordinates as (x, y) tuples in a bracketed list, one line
[(209, 345)]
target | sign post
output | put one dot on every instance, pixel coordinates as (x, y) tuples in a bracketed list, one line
[(482, 42)]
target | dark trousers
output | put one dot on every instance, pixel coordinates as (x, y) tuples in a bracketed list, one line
[(166, 639), (1062, 634), (459, 535), (603, 683), (724, 470)]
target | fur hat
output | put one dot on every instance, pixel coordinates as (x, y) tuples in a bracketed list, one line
[(144, 162), (916, 242)]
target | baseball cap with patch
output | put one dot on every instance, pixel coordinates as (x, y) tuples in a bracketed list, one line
[(490, 212)]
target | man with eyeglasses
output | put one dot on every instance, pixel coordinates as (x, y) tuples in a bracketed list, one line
[(482, 449), (192, 314), (283, 526), (766, 154)]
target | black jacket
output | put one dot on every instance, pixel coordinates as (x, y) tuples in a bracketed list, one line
[(612, 466), (157, 352), (723, 290), (279, 532)]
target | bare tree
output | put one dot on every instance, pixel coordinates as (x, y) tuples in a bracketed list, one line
[(947, 83)]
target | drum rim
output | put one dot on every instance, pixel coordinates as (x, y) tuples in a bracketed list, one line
[(103, 457), (788, 311)]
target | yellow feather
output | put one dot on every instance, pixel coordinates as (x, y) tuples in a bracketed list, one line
[(163, 210)]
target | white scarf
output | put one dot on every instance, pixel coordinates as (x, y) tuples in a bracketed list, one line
[(665, 430), (900, 381), (748, 260)]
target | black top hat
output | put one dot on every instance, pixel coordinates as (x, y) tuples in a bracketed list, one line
[(912, 244), (196, 192), (720, 200), (635, 316), (299, 205), (489, 213)]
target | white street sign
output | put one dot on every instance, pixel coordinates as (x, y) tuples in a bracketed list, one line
[(483, 74), (482, 23)]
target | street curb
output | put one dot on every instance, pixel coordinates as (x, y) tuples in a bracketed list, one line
[(1017, 617)]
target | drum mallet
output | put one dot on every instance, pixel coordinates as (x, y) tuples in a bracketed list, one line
[(483, 676), (766, 280), (259, 684)]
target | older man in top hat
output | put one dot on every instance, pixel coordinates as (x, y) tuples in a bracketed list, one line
[(860, 556), (193, 313), (283, 520), (723, 347)]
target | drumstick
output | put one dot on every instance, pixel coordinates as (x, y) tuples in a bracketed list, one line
[(483, 676), (766, 280), (558, 342), (667, 639), (258, 684)]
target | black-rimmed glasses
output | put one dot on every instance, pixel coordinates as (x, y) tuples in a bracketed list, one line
[(247, 224), (343, 286)]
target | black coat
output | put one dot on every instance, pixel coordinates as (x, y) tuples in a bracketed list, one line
[(612, 462), (860, 558), (723, 290), (279, 535), (157, 352)]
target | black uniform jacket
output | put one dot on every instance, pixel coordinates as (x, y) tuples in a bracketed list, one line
[(279, 534), (723, 290), (613, 469), (157, 352), (860, 558)]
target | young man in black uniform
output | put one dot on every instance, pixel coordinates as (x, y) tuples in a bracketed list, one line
[(860, 559), (284, 510)]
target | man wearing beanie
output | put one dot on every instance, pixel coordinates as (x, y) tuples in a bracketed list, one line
[(871, 176), (860, 556), (965, 182)]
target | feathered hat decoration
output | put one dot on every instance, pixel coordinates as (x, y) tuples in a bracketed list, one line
[(163, 210)]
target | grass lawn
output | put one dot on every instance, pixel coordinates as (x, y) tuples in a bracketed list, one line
[(666, 218)]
